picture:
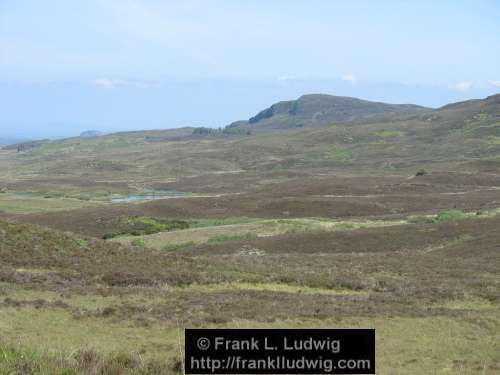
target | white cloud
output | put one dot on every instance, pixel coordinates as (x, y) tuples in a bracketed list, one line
[(290, 77), (349, 78), (105, 83), (462, 86), (495, 83), (111, 83)]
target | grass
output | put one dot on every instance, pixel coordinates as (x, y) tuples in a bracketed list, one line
[(453, 215), (231, 237), (435, 312), (415, 346), (272, 287), (37, 327), (24, 361), (388, 133), (202, 222), (450, 215), (179, 246), (15, 204), (338, 154), (493, 140), (237, 229), (409, 346), (471, 304), (138, 242)]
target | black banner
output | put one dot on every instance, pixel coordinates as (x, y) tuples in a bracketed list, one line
[(280, 351)]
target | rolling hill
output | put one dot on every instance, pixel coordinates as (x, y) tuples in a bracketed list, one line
[(320, 109), (457, 137)]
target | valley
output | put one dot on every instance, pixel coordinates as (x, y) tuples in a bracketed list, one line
[(112, 244)]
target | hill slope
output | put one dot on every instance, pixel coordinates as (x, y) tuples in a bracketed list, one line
[(319, 109), (458, 137)]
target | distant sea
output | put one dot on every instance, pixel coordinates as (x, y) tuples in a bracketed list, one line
[(9, 141)]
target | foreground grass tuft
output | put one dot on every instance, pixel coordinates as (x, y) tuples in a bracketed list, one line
[(84, 362)]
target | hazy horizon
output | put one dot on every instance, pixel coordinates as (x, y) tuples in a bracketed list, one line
[(119, 65)]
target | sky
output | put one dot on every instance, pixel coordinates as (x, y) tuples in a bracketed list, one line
[(70, 66)]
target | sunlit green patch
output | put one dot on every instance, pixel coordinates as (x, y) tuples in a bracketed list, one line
[(232, 237), (143, 225), (452, 215), (338, 154), (269, 287), (388, 133), (492, 140), (201, 223), (248, 230), (55, 330), (416, 346), (470, 303), (19, 204)]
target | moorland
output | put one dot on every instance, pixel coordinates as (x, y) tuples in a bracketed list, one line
[(319, 212)]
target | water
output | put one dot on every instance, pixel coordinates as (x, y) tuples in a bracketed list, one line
[(148, 195)]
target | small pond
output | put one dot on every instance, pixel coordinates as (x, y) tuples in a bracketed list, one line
[(148, 195)]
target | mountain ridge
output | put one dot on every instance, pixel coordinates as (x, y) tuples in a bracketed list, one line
[(321, 109)]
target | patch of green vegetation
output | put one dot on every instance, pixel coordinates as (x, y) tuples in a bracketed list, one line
[(450, 215), (202, 223), (57, 330), (388, 133), (84, 244), (201, 231), (178, 246), (138, 242), (471, 303), (30, 361), (232, 237), (408, 346), (226, 131), (78, 145), (143, 225), (492, 140), (338, 154), (483, 116), (272, 287), (24, 204), (236, 131)]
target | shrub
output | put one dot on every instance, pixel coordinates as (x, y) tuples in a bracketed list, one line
[(82, 243), (450, 215), (205, 131), (143, 225), (138, 242), (236, 131), (421, 172)]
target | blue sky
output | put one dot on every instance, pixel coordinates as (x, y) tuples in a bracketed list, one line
[(68, 66)]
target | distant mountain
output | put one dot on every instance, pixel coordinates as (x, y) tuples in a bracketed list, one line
[(319, 109), (91, 133), (8, 141)]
